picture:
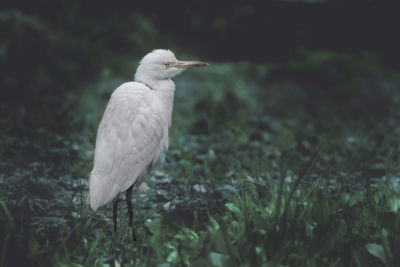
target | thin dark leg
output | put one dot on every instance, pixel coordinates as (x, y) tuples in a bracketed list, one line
[(130, 211), (115, 213)]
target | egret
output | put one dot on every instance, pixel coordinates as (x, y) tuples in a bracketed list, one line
[(133, 133)]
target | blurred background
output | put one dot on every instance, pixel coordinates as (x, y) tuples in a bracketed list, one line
[(50, 44), (48, 48), (285, 76)]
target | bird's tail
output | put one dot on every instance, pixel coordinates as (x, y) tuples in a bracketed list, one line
[(101, 191)]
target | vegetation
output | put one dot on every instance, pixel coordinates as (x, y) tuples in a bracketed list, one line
[(291, 163)]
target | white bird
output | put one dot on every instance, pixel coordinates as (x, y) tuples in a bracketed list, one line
[(133, 133)]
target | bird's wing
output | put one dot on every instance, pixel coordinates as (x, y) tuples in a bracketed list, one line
[(130, 136)]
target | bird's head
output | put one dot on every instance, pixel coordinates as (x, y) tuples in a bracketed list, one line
[(162, 64)]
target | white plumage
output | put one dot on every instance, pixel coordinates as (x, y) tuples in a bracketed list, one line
[(133, 132)]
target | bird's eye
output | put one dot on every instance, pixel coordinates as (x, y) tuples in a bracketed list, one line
[(166, 64)]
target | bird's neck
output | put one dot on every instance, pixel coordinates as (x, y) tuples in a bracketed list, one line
[(164, 89)]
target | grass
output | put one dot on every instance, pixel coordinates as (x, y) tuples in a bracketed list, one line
[(290, 164)]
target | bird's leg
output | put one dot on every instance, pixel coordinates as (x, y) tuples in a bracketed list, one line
[(115, 213), (130, 211)]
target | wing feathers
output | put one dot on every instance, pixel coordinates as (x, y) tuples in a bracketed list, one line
[(130, 137)]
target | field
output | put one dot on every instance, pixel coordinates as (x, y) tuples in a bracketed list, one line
[(270, 164)]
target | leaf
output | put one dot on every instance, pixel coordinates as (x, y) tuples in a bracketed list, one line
[(217, 259), (173, 256), (233, 208), (377, 251), (353, 198), (250, 179), (211, 157), (394, 203), (213, 227)]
